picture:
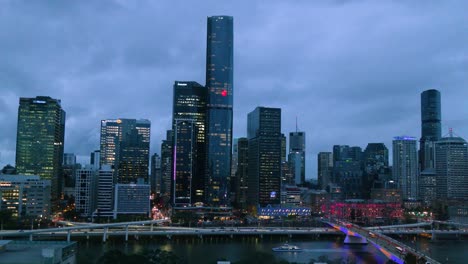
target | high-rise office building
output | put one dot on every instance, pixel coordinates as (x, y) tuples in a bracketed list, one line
[(340, 153), (375, 156), (295, 166), (133, 160), (355, 153), (405, 166), (69, 159), (155, 172), (131, 199), (428, 186), (166, 164), (349, 176), (105, 194), (95, 158), (183, 148), (283, 148), (85, 191), (325, 169), (125, 147), (189, 113), (69, 168), (242, 153), (25, 195), (219, 83), (451, 165), (296, 155), (264, 165), (430, 126), (40, 140)]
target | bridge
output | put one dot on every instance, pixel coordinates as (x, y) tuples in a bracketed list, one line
[(354, 234), (391, 248)]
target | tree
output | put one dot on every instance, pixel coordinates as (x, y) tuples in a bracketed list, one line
[(5, 217)]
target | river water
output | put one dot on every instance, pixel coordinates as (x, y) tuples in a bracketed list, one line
[(210, 250)]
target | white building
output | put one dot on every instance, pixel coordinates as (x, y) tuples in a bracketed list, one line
[(105, 179), (405, 166), (451, 164), (85, 190), (25, 195)]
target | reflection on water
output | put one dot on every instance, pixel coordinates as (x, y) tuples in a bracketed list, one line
[(210, 250)]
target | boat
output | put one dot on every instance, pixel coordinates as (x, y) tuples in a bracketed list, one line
[(287, 248)]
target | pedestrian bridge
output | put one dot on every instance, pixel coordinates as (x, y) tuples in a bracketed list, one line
[(391, 248)]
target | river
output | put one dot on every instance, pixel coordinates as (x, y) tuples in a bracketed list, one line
[(210, 250)]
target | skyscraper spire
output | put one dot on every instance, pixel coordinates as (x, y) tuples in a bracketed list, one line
[(296, 125)]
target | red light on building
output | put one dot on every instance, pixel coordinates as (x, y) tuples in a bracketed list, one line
[(224, 93)]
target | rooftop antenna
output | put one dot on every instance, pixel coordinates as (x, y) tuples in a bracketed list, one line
[(450, 132), (296, 124)]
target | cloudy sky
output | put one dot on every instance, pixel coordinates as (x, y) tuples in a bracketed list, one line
[(351, 71)]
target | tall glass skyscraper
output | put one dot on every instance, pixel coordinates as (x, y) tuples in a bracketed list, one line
[(188, 124), (40, 139), (125, 147), (264, 156), (297, 155), (430, 126), (325, 169), (219, 82)]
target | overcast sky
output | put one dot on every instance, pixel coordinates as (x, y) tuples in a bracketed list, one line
[(351, 71)]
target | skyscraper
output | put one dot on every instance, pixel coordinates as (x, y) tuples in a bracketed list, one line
[(325, 168), (125, 147), (451, 165), (242, 172), (340, 153), (297, 155), (85, 191), (155, 178), (264, 165), (133, 161), (405, 166), (40, 140), (94, 159), (430, 126), (376, 156), (189, 116), (166, 164), (105, 194), (219, 82), (183, 164)]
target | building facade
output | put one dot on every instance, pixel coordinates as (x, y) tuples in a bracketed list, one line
[(183, 165), (132, 199), (220, 86), (405, 166), (105, 191), (124, 145), (297, 146), (451, 165), (155, 172), (188, 124), (264, 164), (325, 169), (85, 190), (25, 195), (242, 172), (430, 126), (166, 164), (40, 140)]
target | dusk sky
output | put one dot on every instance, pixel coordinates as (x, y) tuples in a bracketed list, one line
[(351, 71)]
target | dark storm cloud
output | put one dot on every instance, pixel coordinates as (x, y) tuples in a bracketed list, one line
[(351, 71)]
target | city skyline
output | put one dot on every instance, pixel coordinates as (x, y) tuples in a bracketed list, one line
[(339, 114)]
